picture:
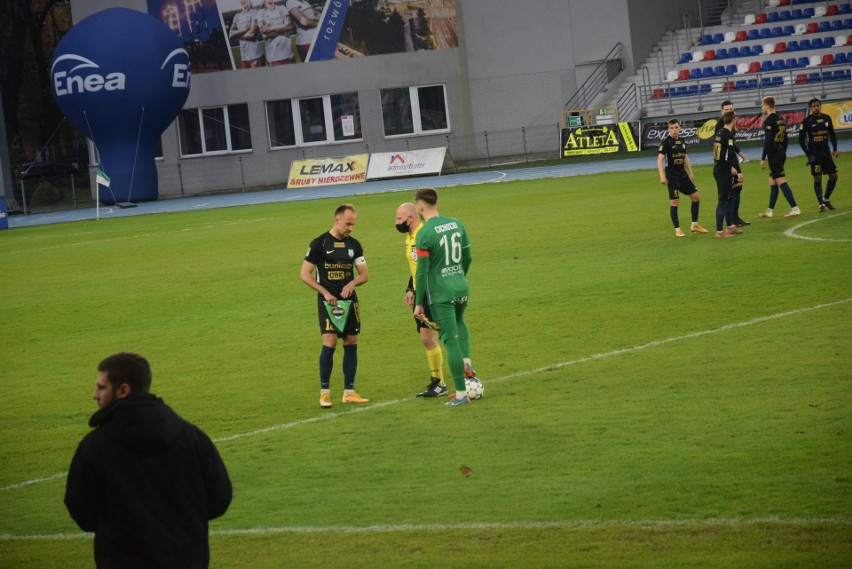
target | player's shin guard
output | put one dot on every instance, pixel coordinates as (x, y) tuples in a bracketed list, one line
[(456, 362), (773, 196), (673, 214), (788, 194), (829, 188), (818, 191), (735, 203), (722, 209), (326, 364), (694, 211), (435, 357), (350, 365)]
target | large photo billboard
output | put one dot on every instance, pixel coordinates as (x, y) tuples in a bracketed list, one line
[(241, 34)]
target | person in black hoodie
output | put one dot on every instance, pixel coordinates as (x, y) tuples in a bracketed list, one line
[(145, 481)]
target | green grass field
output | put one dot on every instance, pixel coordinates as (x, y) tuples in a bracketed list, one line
[(650, 402)]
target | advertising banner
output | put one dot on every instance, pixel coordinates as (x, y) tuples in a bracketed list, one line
[(239, 34), (328, 171), (747, 127), (598, 139), (410, 163)]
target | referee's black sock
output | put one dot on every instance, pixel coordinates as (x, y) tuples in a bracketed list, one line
[(350, 365), (326, 364)]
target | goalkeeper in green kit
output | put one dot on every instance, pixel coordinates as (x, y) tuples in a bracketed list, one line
[(443, 259)]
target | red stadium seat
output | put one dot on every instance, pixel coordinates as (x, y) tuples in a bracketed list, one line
[(684, 74), (780, 47), (741, 36), (849, 41), (760, 18), (709, 54), (658, 93), (812, 28), (801, 78), (754, 67), (832, 10), (728, 86), (827, 59)]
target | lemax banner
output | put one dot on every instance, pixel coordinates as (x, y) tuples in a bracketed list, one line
[(598, 139), (328, 171), (747, 127), (409, 163), (241, 34)]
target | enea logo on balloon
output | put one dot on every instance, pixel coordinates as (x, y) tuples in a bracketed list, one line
[(86, 75)]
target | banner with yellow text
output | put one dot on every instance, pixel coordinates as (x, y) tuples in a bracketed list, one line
[(328, 171), (598, 139)]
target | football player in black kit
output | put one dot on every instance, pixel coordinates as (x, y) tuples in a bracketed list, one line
[(814, 135), (726, 173), (338, 260), (676, 173), (738, 187), (775, 150)]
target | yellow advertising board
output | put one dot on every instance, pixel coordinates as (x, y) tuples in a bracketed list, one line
[(840, 113), (328, 171), (598, 139)]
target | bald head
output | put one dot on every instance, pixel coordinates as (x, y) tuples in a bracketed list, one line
[(407, 219)]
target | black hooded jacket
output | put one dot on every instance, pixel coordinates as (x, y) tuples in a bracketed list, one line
[(146, 482)]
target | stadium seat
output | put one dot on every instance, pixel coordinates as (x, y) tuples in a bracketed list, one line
[(792, 45), (753, 34), (814, 78), (791, 63), (709, 55), (828, 42), (720, 71), (742, 68), (776, 32), (773, 3), (827, 59), (683, 75), (812, 28), (796, 14), (819, 12), (800, 29), (780, 47), (805, 45), (772, 17), (685, 58), (657, 94), (755, 50), (784, 15), (832, 10), (729, 37), (840, 40), (706, 39), (731, 69), (679, 92), (814, 61), (765, 33), (741, 36), (779, 65), (817, 43), (697, 56), (692, 90), (766, 66), (707, 72), (807, 12), (802, 62), (761, 18), (695, 73), (845, 9), (768, 48), (754, 67), (788, 31), (716, 87), (749, 20), (836, 25), (672, 76), (801, 78), (840, 59), (718, 38), (704, 89), (728, 86), (824, 26)]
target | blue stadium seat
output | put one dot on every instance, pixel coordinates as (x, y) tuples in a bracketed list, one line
[(836, 25), (772, 17), (695, 74), (840, 59), (817, 43), (824, 26), (692, 90), (751, 84), (730, 69), (847, 23), (779, 65), (792, 45), (753, 34), (791, 63), (828, 42), (707, 72), (802, 62), (813, 78), (680, 92), (685, 58), (765, 33), (788, 31), (755, 50), (796, 14), (718, 38), (733, 52), (805, 45), (721, 53), (704, 89), (766, 66), (845, 8), (719, 70), (777, 32), (784, 15), (808, 13), (706, 39)]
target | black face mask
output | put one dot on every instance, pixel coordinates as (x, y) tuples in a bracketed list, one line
[(402, 227)]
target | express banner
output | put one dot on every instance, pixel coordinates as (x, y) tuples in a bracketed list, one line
[(328, 171), (411, 163), (747, 127), (598, 139)]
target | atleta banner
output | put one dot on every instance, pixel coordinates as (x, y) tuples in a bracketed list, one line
[(328, 171), (598, 139)]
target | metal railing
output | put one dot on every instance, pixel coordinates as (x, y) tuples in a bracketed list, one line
[(610, 66)]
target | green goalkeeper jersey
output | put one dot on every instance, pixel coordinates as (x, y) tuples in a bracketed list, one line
[(443, 258)]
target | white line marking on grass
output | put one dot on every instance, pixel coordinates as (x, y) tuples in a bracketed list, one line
[(602, 355), (792, 231), (483, 526)]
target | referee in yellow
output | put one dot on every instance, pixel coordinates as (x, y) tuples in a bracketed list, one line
[(408, 222)]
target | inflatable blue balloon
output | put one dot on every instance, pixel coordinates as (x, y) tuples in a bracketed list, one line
[(121, 77)]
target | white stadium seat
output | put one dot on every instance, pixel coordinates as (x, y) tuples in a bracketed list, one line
[(814, 61), (729, 37), (819, 11), (800, 29), (742, 69), (672, 76), (749, 20), (768, 48), (697, 55)]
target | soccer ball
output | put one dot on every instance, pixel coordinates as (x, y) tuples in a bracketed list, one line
[(475, 389)]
